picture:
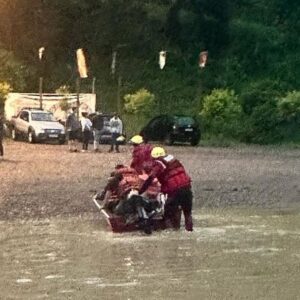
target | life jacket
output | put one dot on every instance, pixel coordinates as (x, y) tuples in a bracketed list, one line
[(130, 181), (153, 189), (174, 175)]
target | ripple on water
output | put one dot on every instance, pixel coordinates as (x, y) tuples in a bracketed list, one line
[(24, 280)]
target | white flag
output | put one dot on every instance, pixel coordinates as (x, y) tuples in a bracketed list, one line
[(82, 69), (113, 62), (41, 52), (203, 59), (162, 59)]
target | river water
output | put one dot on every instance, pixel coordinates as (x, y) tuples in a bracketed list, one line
[(232, 254)]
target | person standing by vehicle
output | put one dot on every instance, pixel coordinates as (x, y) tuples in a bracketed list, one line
[(141, 154), (73, 129), (175, 182), (86, 126), (1, 135), (116, 126), (98, 124)]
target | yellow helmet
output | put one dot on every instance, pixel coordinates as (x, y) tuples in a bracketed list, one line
[(137, 139), (158, 152)]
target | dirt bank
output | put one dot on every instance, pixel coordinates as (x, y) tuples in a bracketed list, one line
[(45, 180)]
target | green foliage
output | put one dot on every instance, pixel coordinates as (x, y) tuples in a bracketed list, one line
[(12, 70), (4, 90), (263, 124), (222, 113), (289, 107), (247, 40), (140, 102), (63, 103), (259, 92)]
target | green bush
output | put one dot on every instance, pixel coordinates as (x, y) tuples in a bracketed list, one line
[(289, 107), (221, 113), (141, 102), (263, 124)]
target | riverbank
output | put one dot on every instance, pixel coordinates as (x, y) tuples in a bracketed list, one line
[(43, 180)]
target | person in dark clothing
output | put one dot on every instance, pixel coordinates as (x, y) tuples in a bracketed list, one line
[(98, 124), (1, 135), (73, 127), (175, 182)]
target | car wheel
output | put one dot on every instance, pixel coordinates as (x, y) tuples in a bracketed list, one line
[(14, 134), (195, 140), (61, 141), (31, 137), (168, 140)]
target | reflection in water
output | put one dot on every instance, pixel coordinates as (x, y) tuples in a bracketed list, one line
[(230, 255)]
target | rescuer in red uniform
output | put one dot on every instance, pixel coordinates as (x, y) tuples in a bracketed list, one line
[(141, 154), (175, 182)]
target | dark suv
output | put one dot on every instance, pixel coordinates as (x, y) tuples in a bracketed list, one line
[(172, 128)]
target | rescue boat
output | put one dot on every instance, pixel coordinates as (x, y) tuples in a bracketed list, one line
[(118, 224)]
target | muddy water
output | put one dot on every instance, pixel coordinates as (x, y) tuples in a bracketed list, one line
[(232, 254)]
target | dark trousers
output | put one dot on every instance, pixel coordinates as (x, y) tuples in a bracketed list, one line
[(114, 142), (182, 198), (85, 139), (1, 147)]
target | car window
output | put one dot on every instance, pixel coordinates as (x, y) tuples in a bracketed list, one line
[(24, 116), (184, 121), (37, 116)]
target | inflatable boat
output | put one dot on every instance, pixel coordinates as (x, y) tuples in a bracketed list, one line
[(119, 224)]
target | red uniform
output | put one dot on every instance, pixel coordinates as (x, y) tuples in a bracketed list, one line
[(176, 183), (141, 157)]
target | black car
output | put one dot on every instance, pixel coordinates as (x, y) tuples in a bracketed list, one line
[(172, 128)]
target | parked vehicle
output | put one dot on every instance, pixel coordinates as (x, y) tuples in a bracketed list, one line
[(106, 132), (172, 128), (36, 125)]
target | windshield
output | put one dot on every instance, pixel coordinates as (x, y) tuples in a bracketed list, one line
[(42, 117), (184, 121)]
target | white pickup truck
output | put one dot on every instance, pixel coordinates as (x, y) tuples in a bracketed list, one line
[(36, 125)]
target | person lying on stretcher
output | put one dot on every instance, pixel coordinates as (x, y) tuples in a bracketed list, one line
[(120, 195)]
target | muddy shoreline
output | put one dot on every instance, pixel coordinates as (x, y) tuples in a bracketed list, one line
[(42, 180)]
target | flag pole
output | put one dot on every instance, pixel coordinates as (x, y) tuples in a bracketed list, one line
[(82, 70), (119, 106), (93, 85), (41, 59), (41, 92), (77, 96)]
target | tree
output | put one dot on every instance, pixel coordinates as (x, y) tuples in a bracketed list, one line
[(141, 101), (4, 90)]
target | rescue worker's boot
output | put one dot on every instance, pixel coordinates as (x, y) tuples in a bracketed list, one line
[(188, 220)]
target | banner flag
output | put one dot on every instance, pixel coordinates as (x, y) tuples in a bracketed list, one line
[(113, 62), (41, 52), (203, 59), (162, 59), (82, 69)]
